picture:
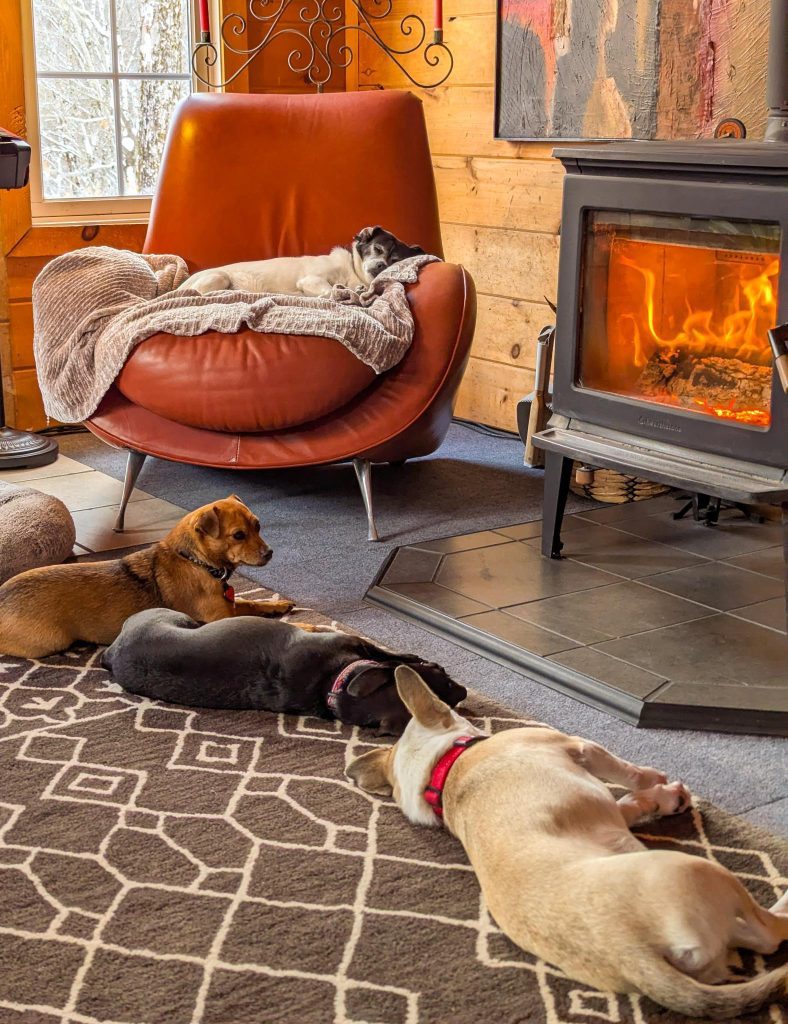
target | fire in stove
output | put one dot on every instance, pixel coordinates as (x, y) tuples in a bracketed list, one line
[(684, 325)]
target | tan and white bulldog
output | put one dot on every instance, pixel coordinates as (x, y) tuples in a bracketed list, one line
[(560, 871)]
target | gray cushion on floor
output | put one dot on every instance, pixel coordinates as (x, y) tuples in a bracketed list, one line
[(35, 529)]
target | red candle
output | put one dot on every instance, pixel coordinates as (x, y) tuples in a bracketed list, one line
[(439, 15), (205, 24)]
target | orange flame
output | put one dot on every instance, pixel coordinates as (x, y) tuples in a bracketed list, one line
[(740, 335), (737, 330)]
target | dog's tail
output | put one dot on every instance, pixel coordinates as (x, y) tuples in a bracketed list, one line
[(665, 984)]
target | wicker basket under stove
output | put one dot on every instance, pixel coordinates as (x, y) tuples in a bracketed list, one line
[(616, 488)]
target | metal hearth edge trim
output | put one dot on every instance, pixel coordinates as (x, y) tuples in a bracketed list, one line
[(583, 688), (729, 478)]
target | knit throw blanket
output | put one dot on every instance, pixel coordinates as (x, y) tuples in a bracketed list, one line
[(92, 307)]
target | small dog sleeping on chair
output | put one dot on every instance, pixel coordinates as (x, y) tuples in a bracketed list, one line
[(371, 251)]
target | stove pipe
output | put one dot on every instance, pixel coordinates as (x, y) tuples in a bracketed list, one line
[(777, 74)]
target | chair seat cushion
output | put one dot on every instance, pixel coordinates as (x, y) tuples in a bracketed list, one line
[(35, 529), (245, 382)]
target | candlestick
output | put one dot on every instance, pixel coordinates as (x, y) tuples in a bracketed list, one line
[(205, 23)]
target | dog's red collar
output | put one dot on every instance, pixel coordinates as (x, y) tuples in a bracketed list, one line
[(341, 681), (433, 794)]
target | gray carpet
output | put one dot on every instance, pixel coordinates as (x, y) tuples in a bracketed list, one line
[(315, 522)]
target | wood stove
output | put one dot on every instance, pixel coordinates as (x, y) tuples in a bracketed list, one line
[(672, 269)]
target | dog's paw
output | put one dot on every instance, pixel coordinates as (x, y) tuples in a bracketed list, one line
[(280, 607), (673, 798), (646, 778)]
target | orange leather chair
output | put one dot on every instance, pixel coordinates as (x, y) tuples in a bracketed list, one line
[(251, 177)]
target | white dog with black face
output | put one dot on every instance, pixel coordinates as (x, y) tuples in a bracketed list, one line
[(560, 871), (371, 251)]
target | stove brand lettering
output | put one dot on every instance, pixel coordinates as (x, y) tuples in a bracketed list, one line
[(646, 421)]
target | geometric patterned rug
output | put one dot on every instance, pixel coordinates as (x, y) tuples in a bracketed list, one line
[(160, 865)]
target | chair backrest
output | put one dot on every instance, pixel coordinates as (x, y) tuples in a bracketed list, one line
[(248, 177)]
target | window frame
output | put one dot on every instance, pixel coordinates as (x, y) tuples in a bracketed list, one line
[(96, 210)]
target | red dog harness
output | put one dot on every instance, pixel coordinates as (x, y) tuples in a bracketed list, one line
[(433, 794)]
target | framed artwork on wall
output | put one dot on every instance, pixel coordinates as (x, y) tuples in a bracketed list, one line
[(628, 69)]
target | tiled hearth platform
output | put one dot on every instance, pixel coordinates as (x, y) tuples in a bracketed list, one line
[(661, 622)]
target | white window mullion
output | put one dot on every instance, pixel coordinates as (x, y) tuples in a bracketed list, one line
[(113, 29)]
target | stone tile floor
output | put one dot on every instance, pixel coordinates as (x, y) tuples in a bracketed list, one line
[(92, 498), (672, 620)]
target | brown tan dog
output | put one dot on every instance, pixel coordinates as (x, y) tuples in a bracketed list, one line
[(559, 869), (45, 610)]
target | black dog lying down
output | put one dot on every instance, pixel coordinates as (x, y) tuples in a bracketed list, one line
[(269, 665)]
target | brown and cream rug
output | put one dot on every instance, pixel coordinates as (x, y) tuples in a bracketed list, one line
[(166, 866)]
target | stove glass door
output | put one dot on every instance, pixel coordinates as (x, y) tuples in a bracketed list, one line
[(675, 310)]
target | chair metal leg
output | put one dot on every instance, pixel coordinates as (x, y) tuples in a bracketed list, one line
[(363, 470), (133, 467)]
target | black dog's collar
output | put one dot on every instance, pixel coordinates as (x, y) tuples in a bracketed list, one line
[(223, 575), (341, 681)]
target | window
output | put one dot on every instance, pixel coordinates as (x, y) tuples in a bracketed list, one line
[(103, 79)]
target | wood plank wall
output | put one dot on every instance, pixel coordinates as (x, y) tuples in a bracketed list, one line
[(500, 205)]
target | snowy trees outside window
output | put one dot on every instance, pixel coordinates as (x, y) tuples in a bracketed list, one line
[(109, 74)]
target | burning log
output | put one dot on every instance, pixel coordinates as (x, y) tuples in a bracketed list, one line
[(714, 382)]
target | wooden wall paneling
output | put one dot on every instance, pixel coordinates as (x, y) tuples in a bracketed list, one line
[(352, 37), (517, 264), (233, 62), (6, 382), (52, 241), (489, 393), (519, 194), (460, 122), (507, 330), (28, 406), (21, 325), (472, 40), (15, 203), (270, 72)]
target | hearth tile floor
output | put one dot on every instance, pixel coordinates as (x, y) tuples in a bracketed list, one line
[(665, 622)]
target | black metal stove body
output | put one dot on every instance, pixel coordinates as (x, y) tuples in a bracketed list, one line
[(645, 228)]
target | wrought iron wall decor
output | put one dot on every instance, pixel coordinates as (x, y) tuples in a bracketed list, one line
[(321, 47)]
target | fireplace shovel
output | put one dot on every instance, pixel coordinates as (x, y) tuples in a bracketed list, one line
[(540, 397)]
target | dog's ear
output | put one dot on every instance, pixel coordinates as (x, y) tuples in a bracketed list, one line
[(412, 250), (208, 523), (370, 771), (365, 234), (368, 680), (441, 683), (428, 709), (234, 497)]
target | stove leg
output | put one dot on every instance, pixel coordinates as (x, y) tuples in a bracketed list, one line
[(557, 474)]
